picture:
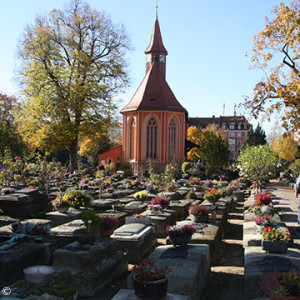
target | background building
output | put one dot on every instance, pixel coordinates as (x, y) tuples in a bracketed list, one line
[(233, 127)]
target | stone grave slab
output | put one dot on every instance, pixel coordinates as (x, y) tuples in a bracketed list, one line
[(103, 204), (135, 207), (257, 263), (171, 195), (136, 239), (23, 202), (180, 207), (124, 294), (161, 219), (20, 256), (239, 194), (58, 218), (93, 267), (189, 274)]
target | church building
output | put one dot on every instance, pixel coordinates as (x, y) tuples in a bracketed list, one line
[(154, 122)]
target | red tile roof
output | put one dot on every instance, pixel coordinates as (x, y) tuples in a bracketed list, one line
[(154, 93), (156, 43)]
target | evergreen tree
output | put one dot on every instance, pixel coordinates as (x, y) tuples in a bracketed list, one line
[(254, 137)]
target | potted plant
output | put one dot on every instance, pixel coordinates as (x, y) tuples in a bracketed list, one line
[(108, 226), (212, 195), (77, 198), (199, 213), (142, 195), (92, 224), (150, 280), (181, 234), (154, 207), (285, 285), (162, 201), (262, 221), (263, 199), (60, 204), (194, 181), (275, 240)]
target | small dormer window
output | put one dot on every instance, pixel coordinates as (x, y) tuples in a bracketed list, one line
[(162, 58), (231, 126)]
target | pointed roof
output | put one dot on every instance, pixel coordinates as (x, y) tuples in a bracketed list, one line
[(153, 93), (156, 43)]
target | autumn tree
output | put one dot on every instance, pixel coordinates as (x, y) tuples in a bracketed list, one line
[(72, 65), (285, 146), (279, 42), (254, 137), (10, 138), (212, 148)]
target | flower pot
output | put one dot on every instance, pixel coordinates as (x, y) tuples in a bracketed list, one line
[(62, 209), (181, 240), (275, 246), (199, 218), (150, 290)]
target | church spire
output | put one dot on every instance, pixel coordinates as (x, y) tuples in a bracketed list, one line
[(156, 52)]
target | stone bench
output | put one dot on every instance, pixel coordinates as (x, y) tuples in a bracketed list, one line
[(189, 273), (136, 239), (93, 267)]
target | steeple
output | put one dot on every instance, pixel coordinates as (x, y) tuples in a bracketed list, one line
[(156, 52)]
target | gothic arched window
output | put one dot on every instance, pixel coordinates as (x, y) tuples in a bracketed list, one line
[(131, 138), (172, 140), (151, 139)]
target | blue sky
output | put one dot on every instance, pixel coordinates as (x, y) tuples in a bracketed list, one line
[(207, 42)]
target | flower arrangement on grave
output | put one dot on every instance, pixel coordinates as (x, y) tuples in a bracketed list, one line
[(181, 229), (162, 201), (84, 181), (194, 181), (263, 199), (34, 182), (134, 184), (255, 210), (267, 209), (154, 207), (142, 195), (77, 198), (212, 195), (148, 271), (7, 190), (285, 284), (198, 210), (263, 220), (170, 187), (275, 234), (60, 204)]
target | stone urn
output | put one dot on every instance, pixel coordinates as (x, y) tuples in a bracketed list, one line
[(275, 246)]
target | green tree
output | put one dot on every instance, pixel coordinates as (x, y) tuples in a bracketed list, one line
[(9, 136), (278, 42), (254, 137), (213, 148), (256, 163), (72, 64)]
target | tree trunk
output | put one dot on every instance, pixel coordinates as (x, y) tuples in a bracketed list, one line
[(73, 155)]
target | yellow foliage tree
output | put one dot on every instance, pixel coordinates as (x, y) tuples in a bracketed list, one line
[(280, 90), (285, 146)]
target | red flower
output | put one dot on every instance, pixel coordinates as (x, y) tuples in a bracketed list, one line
[(16, 157), (12, 162)]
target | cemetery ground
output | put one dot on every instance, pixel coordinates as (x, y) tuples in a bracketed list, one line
[(223, 260)]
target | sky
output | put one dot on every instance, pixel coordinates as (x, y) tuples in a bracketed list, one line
[(209, 45)]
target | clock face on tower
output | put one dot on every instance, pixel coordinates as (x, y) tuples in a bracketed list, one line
[(162, 58)]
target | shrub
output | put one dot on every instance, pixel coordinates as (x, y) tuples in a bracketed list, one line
[(198, 210), (263, 199), (163, 201), (91, 220), (109, 223), (186, 166)]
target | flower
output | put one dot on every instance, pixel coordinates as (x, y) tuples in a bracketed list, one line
[(154, 207), (181, 229), (263, 220), (275, 234), (212, 195), (60, 201), (263, 199), (77, 198), (148, 271), (142, 195), (198, 210), (163, 201), (194, 181), (276, 284)]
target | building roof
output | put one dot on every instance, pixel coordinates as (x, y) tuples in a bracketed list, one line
[(154, 93), (204, 122), (156, 43)]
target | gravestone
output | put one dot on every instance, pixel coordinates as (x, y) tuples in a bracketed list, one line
[(137, 240), (135, 207), (23, 202), (103, 204), (93, 267)]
